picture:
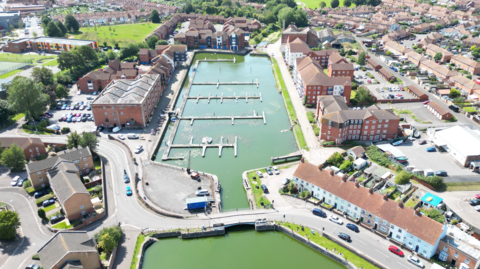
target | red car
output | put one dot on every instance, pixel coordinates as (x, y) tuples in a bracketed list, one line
[(477, 196), (421, 142), (396, 250)]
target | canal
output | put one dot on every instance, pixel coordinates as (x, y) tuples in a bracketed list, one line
[(241, 247), (257, 142)]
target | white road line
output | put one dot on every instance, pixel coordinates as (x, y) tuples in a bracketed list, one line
[(402, 264), (381, 253), (361, 242), (459, 206)]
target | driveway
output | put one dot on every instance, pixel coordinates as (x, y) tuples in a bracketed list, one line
[(458, 202)]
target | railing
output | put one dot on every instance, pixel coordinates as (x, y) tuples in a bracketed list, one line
[(236, 209)]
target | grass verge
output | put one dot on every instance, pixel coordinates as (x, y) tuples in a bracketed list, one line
[(291, 110), (140, 240), (11, 73), (97, 164), (51, 63), (258, 193), (62, 225), (408, 112), (453, 119), (50, 207), (410, 203), (14, 119), (329, 244), (463, 186)]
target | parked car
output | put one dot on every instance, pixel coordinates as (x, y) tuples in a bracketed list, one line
[(202, 193), (269, 171), (128, 190), (57, 218), (15, 181), (416, 261), (285, 181), (264, 188), (121, 137), (20, 182), (474, 202), (353, 227), (32, 266), (39, 194), (396, 250), (335, 219), (48, 202), (138, 149), (422, 142), (275, 170), (344, 236), (477, 196), (259, 174), (116, 129), (431, 149), (126, 179), (319, 212), (477, 207), (132, 136), (441, 173)]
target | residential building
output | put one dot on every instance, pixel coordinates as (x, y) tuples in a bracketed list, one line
[(47, 44), (415, 58), (338, 123), (441, 72), (464, 85), (341, 70), (387, 75), (373, 64), (70, 249), (438, 111), (326, 35), (417, 93), (32, 147), (311, 81), (71, 194), (322, 56), (292, 32), (37, 171), (472, 41), (356, 152), (396, 48), (128, 102), (294, 50), (461, 142), (469, 65), (402, 224), (432, 49), (459, 249)]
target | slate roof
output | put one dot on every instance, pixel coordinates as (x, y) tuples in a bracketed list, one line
[(404, 217), (63, 243), (64, 180), (22, 142), (127, 91), (69, 155)]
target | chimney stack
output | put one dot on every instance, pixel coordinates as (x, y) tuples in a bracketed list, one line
[(370, 190), (417, 212), (320, 167), (357, 183), (385, 197), (302, 160), (332, 172), (400, 204)]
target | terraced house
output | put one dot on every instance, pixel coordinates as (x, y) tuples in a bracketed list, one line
[(469, 65), (389, 218), (432, 49)]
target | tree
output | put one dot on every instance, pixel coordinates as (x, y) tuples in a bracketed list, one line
[(41, 213), (14, 157), (341, 52), (129, 51), (346, 165), (455, 22), (347, 3), (73, 140), (402, 178), (107, 243), (322, 4), (71, 24), (5, 112), (152, 41), (154, 16), (436, 215), (111, 55), (188, 7), (70, 60), (9, 222), (334, 3), (361, 58), (438, 27), (290, 3), (388, 53), (162, 42), (89, 140), (336, 159), (45, 21), (363, 96), (454, 93), (43, 75), (62, 27), (27, 97), (60, 92), (114, 231), (438, 56), (53, 30), (87, 53)]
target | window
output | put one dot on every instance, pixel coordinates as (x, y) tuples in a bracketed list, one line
[(411, 236), (39, 173), (385, 125), (399, 237), (40, 179), (86, 165), (106, 114), (445, 249), (386, 120), (419, 241), (399, 230), (81, 206), (455, 255), (467, 261), (121, 113), (84, 159), (425, 252), (330, 195), (368, 221), (113, 107), (384, 222), (76, 161), (366, 127), (104, 107), (355, 208), (383, 229), (373, 122), (377, 218), (121, 107), (367, 121)]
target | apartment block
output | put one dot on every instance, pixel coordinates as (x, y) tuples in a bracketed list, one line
[(32, 147)]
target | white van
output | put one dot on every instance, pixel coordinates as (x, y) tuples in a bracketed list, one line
[(202, 193)]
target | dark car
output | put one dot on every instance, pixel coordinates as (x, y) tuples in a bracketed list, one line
[(474, 202), (454, 108), (110, 129), (344, 236), (353, 227), (441, 173), (319, 212), (264, 188), (99, 128), (39, 194), (48, 202), (57, 218)]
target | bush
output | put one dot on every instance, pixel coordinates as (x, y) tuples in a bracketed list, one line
[(40, 200), (377, 156), (41, 157), (336, 159), (76, 223), (402, 178), (65, 130), (316, 130), (60, 148), (27, 184), (30, 190), (328, 143), (454, 222), (311, 116), (345, 165), (35, 257)]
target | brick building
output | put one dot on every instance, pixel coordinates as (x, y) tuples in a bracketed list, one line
[(338, 123), (386, 75), (312, 82), (432, 49), (438, 111), (341, 70), (37, 171), (465, 85), (292, 32), (469, 65), (322, 56), (296, 49), (373, 64), (459, 249), (417, 93), (32, 147)]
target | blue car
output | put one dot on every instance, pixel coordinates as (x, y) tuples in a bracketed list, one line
[(431, 149), (69, 119), (352, 227), (64, 107), (129, 191)]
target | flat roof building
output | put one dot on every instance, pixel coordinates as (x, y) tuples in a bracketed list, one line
[(9, 18), (47, 44), (461, 142)]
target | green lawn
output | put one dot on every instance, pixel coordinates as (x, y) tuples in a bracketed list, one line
[(291, 110), (353, 94), (11, 73), (463, 186), (470, 109), (51, 63), (97, 164), (124, 33), (14, 119), (410, 203), (324, 242), (258, 193), (62, 225), (316, 4), (50, 207), (140, 240)]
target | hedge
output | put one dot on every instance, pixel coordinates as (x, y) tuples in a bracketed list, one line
[(40, 200), (30, 190)]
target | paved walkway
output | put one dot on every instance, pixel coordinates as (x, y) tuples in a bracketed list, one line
[(310, 138)]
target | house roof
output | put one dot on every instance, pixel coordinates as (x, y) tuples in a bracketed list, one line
[(312, 74), (431, 199), (22, 142), (373, 62), (342, 66), (69, 155), (467, 83), (332, 103), (64, 180), (467, 61), (298, 45), (404, 217), (461, 138), (63, 243), (127, 91), (359, 151), (416, 91), (385, 72), (442, 111), (436, 49), (350, 114)]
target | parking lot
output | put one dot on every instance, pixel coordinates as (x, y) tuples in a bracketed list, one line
[(419, 157), (388, 92)]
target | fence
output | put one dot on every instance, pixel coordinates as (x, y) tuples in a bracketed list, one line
[(11, 68)]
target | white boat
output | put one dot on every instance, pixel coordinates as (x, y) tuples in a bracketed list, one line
[(207, 139), (397, 143)]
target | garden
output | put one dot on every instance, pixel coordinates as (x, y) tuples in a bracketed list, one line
[(255, 184)]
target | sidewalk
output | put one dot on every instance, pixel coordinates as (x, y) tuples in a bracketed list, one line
[(310, 138)]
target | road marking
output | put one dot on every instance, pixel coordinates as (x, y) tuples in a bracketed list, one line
[(459, 206), (402, 264), (381, 253), (361, 242)]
